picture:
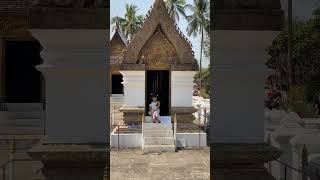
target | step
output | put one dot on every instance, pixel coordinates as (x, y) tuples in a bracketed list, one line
[(21, 130), (158, 140), (25, 122), (25, 107), (31, 114), (158, 133), (157, 148), (152, 126)]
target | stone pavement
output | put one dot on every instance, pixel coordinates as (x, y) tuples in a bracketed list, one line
[(129, 164)]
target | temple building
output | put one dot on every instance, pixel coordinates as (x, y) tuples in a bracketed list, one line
[(159, 59)]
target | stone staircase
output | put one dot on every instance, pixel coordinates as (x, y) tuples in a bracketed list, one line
[(23, 119), (157, 137)]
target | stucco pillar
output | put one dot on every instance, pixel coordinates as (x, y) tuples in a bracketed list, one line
[(2, 59), (76, 92), (134, 96), (134, 88), (181, 96), (239, 74), (181, 88)]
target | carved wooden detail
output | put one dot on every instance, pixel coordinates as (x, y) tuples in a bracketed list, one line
[(158, 52), (174, 43)]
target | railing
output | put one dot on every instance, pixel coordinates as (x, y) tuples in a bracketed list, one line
[(303, 172), (3, 104), (4, 167), (142, 127), (196, 130), (120, 129), (175, 130), (11, 162), (193, 128)]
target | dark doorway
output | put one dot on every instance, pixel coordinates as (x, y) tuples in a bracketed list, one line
[(158, 81), (117, 87), (22, 78)]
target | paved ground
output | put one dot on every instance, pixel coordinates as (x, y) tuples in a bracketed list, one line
[(129, 164)]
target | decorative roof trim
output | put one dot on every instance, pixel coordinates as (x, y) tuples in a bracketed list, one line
[(119, 31), (158, 15)]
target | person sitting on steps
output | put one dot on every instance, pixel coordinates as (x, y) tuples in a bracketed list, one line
[(154, 109)]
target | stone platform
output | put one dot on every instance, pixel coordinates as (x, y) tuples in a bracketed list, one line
[(185, 164)]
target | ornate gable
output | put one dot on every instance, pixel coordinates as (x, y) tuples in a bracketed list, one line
[(159, 42), (117, 43)]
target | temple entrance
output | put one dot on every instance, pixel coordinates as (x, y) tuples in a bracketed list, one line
[(158, 82), (22, 79)]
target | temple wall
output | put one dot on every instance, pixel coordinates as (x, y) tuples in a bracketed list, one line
[(76, 90), (134, 88), (181, 88)]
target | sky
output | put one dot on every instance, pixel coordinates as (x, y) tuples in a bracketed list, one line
[(117, 8), (302, 9)]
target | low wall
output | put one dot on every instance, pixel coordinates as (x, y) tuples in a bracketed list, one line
[(134, 140), (126, 140), (191, 139)]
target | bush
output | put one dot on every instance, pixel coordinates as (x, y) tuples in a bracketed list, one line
[(203, 93), (297, 102), (313, 88)]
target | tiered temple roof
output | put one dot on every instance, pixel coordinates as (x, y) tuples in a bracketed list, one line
[(117, 43), (169, 48)]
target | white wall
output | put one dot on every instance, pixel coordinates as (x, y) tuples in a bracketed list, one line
[(238, 81), (75, 72), (134, 88), (182, 87)]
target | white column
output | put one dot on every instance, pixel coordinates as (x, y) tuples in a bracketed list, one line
[(134, 88), (238, 85), (76, 76), (181, 88)]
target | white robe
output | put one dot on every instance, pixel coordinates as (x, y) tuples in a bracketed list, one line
[(155, 111)]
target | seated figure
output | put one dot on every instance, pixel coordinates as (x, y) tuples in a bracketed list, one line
[(154, 109)]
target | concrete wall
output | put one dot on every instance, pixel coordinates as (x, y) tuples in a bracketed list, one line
[(181, 88), (134, 140), (134, 88)]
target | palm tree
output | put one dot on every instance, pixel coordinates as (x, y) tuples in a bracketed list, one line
[(199, 23), (175, 8), (131, 23)]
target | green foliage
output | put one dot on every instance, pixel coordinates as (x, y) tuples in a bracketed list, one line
[(206, 45), (306, 54), (204, 93), (313, 88), (296, 103), (199, 20), (205, 75), (176, 7), (199, 23), (131, 23)]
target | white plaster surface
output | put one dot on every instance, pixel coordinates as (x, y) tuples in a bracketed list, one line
[(134, 88), (132, 140), (238, 81), (181, 88), (75, 71)]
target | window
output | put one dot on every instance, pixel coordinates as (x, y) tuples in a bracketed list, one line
[(117, 87)]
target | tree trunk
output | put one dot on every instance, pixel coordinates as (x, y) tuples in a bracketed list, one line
[(200, 68), (290, 46)]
